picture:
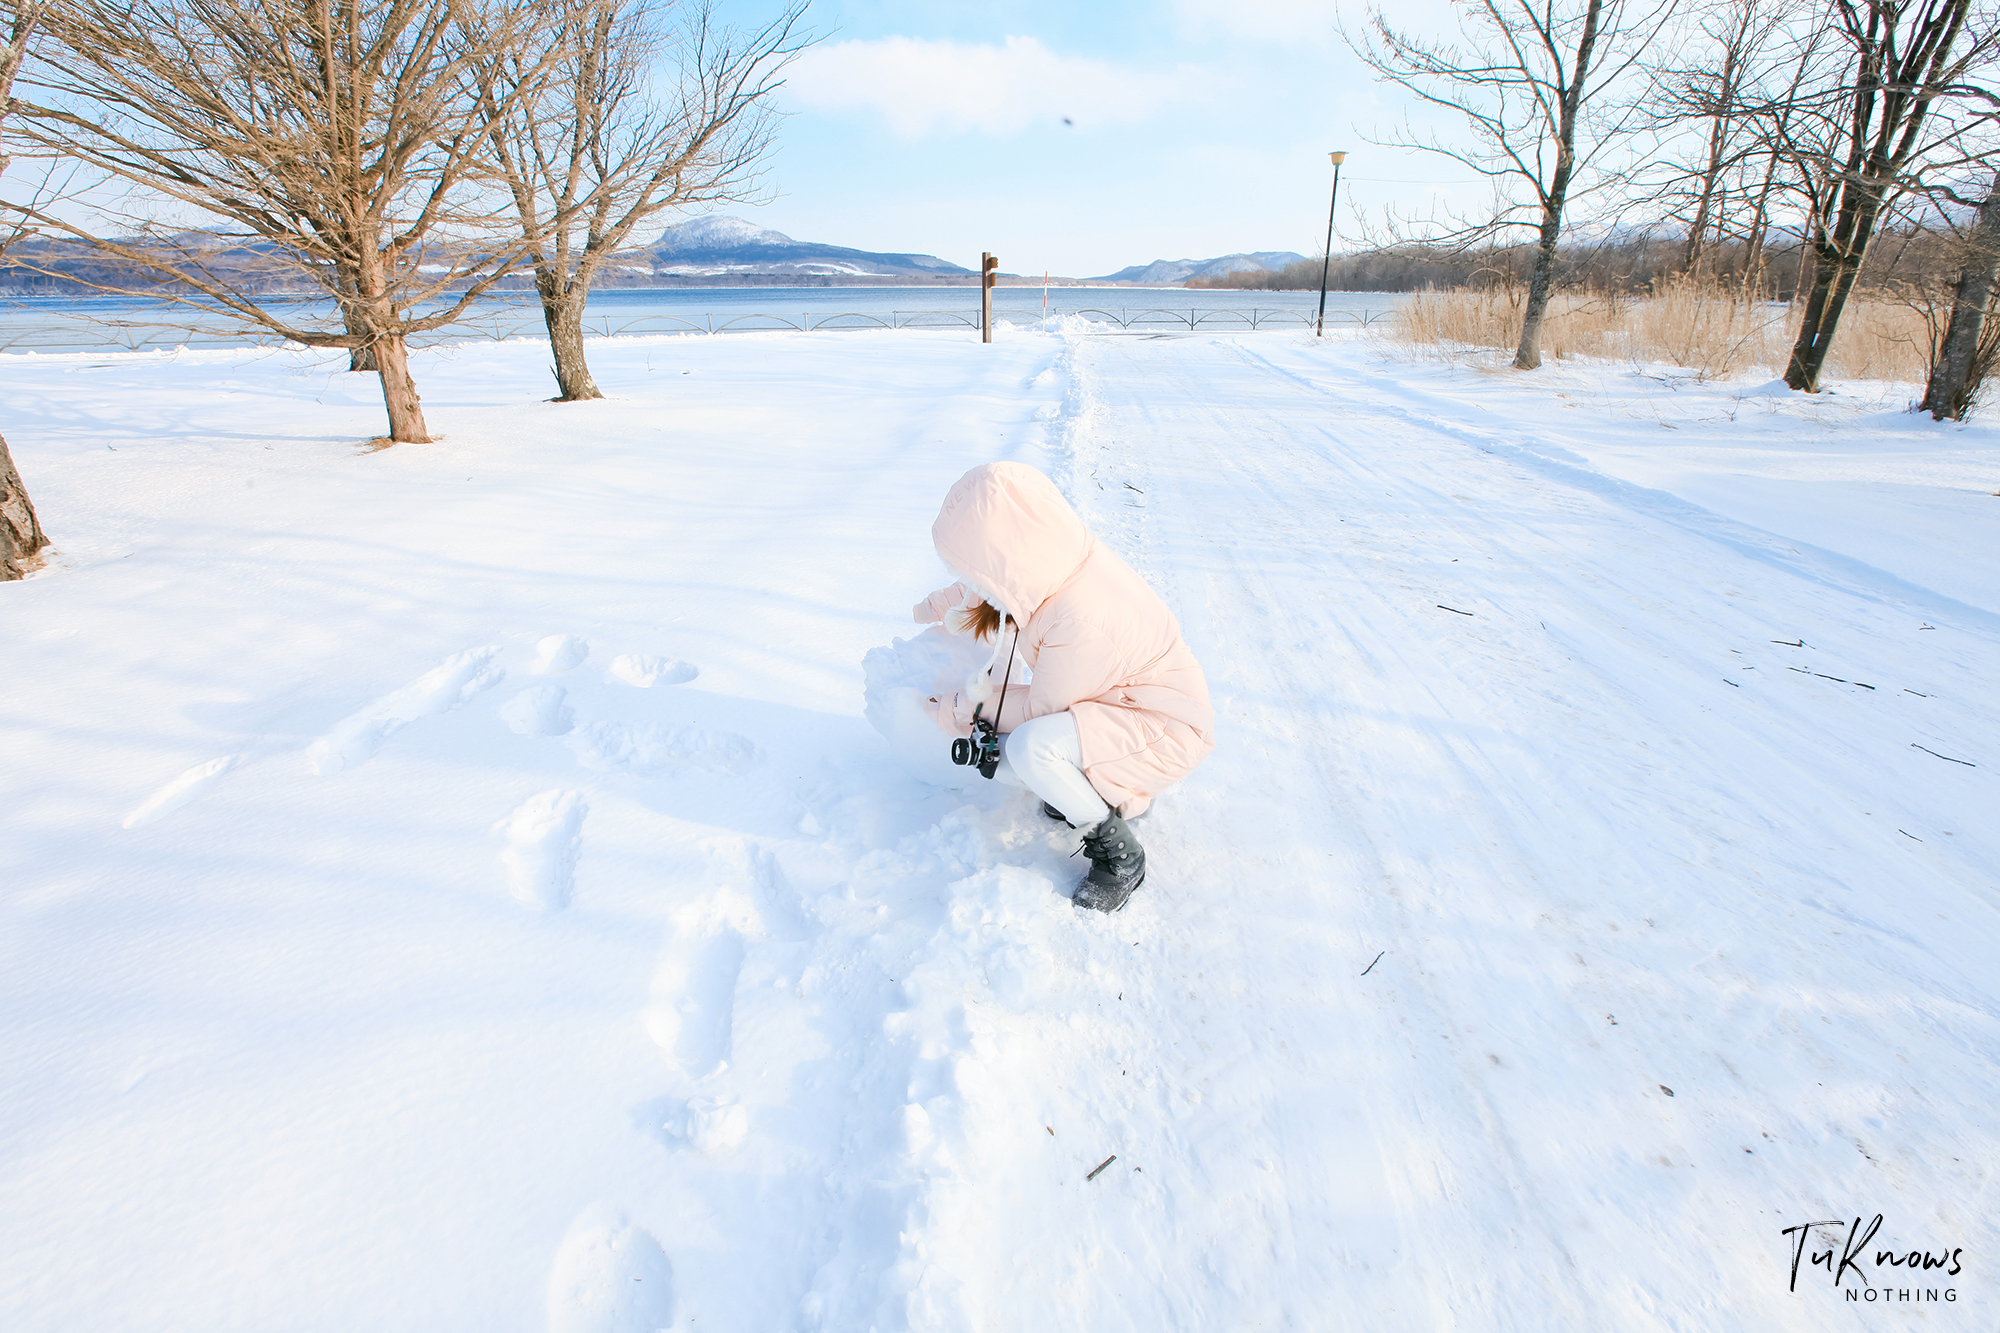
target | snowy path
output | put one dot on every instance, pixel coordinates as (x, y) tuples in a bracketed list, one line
[(454, 888), (1613, 841)]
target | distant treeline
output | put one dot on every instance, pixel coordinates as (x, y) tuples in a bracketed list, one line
[(1634, 265)]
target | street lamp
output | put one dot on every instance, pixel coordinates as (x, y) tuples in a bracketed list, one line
[(1319, 325)]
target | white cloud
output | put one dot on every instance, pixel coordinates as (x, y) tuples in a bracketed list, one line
[(925, 87)]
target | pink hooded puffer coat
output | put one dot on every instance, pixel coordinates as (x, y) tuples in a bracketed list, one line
[(1099, 642)]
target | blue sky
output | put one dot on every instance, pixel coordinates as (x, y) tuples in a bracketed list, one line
[(1198, 128)]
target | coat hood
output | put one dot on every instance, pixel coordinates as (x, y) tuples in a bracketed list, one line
[(1005, 527)]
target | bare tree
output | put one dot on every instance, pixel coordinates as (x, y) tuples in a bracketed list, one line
[(21, 535), (329, 141), (597, 152), (1864, 140), (1711, 153), (1970, 339), (1534, 84)]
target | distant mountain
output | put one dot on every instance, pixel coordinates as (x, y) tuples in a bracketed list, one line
[(719, 247), (1162, 272)]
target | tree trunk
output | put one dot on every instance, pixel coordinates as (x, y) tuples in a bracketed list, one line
[(1836, 264), (399, 391), (1528, 355), (1952, 381), (562, 311), (361, 356), (21, 534)]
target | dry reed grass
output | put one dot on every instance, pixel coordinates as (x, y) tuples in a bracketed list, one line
[(1706, 329)]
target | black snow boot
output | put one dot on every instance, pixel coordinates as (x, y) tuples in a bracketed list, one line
[(1117, 865)]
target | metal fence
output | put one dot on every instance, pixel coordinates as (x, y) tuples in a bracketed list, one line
[(83, 332)]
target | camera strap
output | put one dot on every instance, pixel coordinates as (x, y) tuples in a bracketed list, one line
[(1005, 680)]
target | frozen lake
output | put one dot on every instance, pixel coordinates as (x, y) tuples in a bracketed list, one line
[(71, 323)]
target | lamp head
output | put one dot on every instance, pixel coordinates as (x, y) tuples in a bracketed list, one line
[(1338, 158)]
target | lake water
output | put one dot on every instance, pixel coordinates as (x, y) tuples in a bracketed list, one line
[(58, 323)]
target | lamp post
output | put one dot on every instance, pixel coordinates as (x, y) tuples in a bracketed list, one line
[(1319, 325)]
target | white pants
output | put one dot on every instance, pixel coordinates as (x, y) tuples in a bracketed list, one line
[(1045, 756)]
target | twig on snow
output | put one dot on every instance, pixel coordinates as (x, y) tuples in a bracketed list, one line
[(1800, 642), (1927, 750), (1130, 487), (1454, 610), (1100, 1166), (1911, 836), (1371, 967)]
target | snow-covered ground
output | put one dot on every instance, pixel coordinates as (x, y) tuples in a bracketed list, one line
[(456, 888)]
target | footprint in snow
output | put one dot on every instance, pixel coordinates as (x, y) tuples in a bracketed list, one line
[(181, 791), (693, 1011), (648, 749), (691, 1015), (645, 672), (539, 710), (355, 738), (558, 652), (609, 1277), (711, 1127), (544, 836)]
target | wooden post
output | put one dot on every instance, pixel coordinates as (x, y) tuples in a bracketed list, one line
[(989, 278)]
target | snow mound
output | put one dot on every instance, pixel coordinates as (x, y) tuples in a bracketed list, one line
[(610, 1277), (897, 681)]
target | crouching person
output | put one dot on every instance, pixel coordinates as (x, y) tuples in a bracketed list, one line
[(1116, 709)]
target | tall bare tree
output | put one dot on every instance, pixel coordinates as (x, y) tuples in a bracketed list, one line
[(1537, 83), (21, 535), (1701, 82), (329, 141), (1867, 139), (598, 151), (1967, 350)]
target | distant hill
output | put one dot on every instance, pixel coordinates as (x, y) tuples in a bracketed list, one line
[(1162, 272), (719, 247)]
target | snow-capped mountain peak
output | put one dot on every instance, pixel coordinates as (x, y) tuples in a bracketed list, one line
[(716, 233)]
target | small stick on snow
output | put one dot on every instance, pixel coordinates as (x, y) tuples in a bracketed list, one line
[(1130, 487), (1927, 750), (1454, 610), (1911, 836), (1800, 642), (1371, 967), (1100, 1166)]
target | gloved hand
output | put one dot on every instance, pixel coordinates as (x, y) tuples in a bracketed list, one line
[(934, 608), (952, 711)]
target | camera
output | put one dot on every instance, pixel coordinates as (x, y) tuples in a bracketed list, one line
[(980, 749)]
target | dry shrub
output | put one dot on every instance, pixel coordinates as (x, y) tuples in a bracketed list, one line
[(1879, 340), (1703, 327)]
